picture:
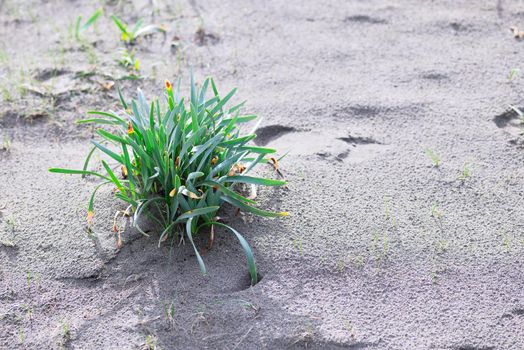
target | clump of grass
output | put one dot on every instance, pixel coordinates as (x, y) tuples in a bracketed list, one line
[(130, 35), (179, 164)]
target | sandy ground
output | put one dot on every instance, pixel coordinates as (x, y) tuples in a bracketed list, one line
[(382, 250)]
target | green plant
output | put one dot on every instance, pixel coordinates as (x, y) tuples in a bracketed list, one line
[(436, 212), (513, 73), (466, 172), (180, 165), (151, 343), (130, 35), (127, 59), (81, 27), (435, 158), (6, 144)]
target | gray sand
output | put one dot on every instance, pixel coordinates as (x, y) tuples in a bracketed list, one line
[(381, 251)]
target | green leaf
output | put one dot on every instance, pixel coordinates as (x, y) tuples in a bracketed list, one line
[(93, 18), (119, 24), (111, 137), (197, 212), (227, 191), (238, 140), (259, 150), (108, 152), (245, 246), (110, 115), (254, 180), (113, 177), (251, 209), (88, 158), (190, 236), (77, 172)]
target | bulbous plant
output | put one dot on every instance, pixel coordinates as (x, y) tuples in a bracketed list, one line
[(179, 165)]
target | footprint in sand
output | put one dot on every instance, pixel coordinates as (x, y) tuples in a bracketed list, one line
[(327, 145)]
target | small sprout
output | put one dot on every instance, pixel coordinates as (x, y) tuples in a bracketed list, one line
[(151, 343), (436, 212), (66, 334), (130, 36), (380, 245), (442, 245), (21, 336), (434, 277), (297, 243), (506, 241), (128, 60), (6, 144), (513, 74), (170, 312), (11, 223), (435, 158), (341, 265), (81, 27), (466, 172)]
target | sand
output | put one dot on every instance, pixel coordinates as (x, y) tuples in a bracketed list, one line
[(382, 250)]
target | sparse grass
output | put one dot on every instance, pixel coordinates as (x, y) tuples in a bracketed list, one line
[(434, 157), (131, 34), (181, 164)]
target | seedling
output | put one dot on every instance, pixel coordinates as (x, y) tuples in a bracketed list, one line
[(151, 343), (179, 164), (21, 336), (81, 27), (297, 243), (436, 212), (380, 245), (131, 35), (65, 335), (435, 158), (513, 73), (170, 312), (6, 144), (11, 223), (466, 172), (128, 60)]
